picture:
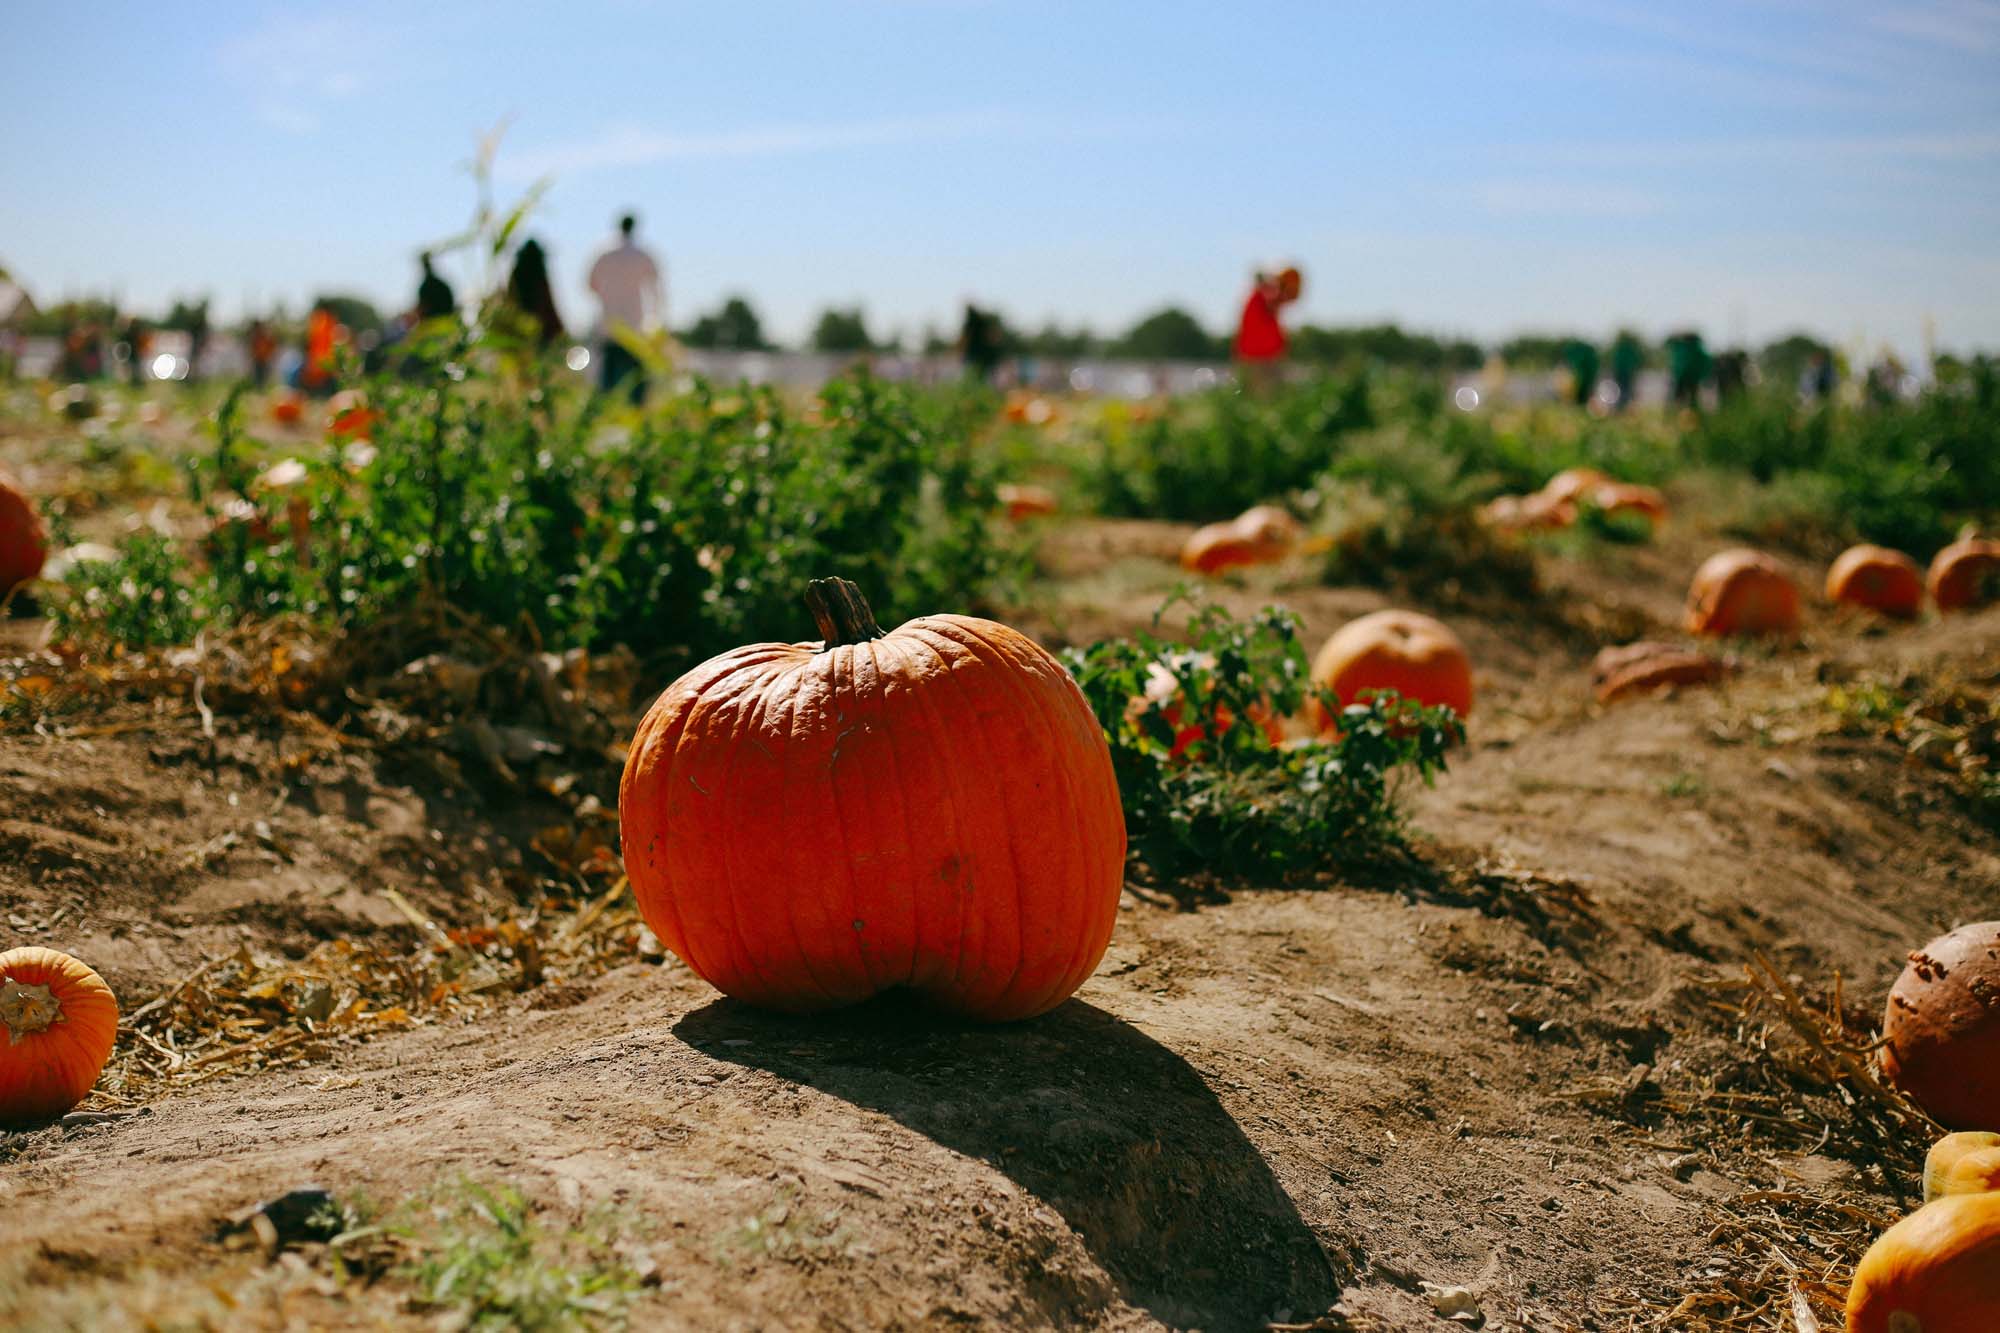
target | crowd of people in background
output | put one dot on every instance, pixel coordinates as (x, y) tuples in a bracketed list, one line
[(340, 335)]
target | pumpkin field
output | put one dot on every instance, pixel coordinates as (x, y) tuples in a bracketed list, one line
[(913, 857)]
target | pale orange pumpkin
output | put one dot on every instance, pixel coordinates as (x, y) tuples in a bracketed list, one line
[(1575, 483), (1529, 513), (1965, 574), (1977, 1172), (57, 1023), (1742, 592), (1941, 1031), (1616, 498), (24, 545), (807, 824), (1946, 1152), (1412, 654), (1878, 578), (1026, 501), (1936, 1271), (1257, 536)]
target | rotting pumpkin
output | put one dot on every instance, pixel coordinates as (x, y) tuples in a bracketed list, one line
[(1936, 1271), (57, 1023), (1965, 575), (808, 824), (1941, 1028), (1257, 536)]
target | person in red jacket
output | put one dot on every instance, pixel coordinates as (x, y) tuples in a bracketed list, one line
[(1260, 338)]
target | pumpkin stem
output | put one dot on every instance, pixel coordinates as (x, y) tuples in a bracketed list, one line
[(25, 1009), (841, 612)]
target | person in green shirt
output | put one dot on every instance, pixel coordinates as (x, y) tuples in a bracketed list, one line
[(1626, 358), (1581, 358)]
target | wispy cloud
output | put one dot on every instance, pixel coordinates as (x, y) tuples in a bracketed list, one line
[(632, 146), (292, 67), (1968, 25), (1947, 146)]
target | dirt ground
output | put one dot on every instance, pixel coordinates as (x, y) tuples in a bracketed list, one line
[(1290, 1106)]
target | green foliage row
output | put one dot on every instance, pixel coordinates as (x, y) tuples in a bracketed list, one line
[(1203, 786), (679, 532)]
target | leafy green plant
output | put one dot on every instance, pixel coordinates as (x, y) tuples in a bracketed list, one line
[(142, 599), (1202, 782)]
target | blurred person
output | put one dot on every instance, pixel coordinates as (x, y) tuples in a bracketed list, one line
[(263, 346), (528, 288), (632, 296), (323, 338), (138, 341), (1732, 375), (1626, 358), (1816, 381), (82, 353), (1260, 338), (1687, 367), (980, 340), (1580, 358), (435, 299)]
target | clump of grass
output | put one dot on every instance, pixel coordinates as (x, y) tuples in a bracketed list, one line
[(482, 1257), (1203, 783)]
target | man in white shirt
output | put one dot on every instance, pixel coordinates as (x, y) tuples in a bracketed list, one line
[(631, 294)]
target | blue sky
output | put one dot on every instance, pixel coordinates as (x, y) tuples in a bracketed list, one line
[(1475, 168)]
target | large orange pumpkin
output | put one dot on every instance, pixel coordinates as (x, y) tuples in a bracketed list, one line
[(1878, 578), (23, 543), (807, 824), (1412, 654), (1742, 592), (1965, 574), (57, 1023), (1936, 1271), (1941, 1034), (1257, 536), (1946, 1154)]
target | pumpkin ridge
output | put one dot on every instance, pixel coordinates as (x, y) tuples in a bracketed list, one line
[(786, 787), (1033, 698), (859, 789), (938, 625), (896, 785), (1086, 927), (724, 936), (750, 963), (954, 791), (843, 710)]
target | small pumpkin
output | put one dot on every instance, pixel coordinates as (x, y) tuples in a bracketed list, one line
[(1941, 1032), (1878, 578), (1977, 1172), (1936, 1271), (24, 544), (1946, 1153), (1257, 536), (1575, 483), (1742, 592), (1529, 513), (1026, 501), (1965, 574), (288, 408), (1163, 692), (57, 1023), (1617, 498), (1412, 654), (1646, 666), (349, 417), (807, 824)]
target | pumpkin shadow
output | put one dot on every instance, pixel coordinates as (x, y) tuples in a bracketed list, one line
[(1090, 1116)]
